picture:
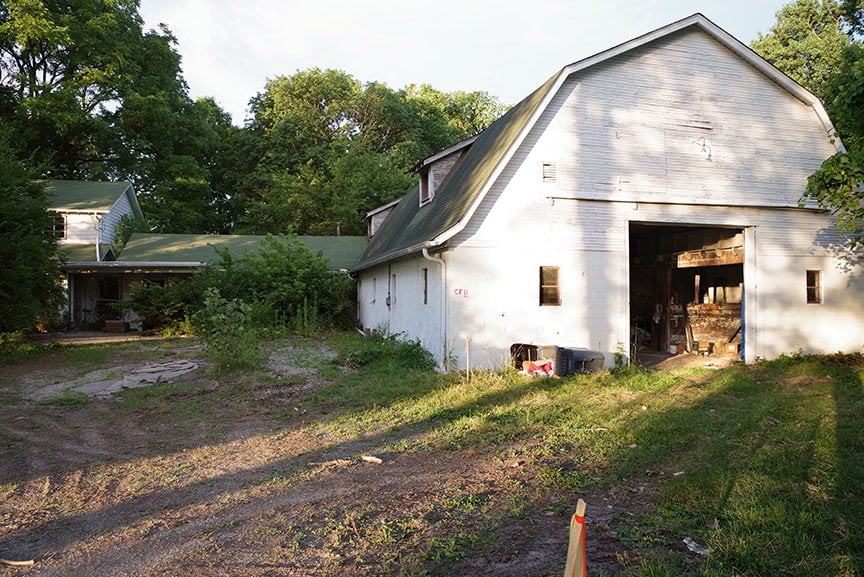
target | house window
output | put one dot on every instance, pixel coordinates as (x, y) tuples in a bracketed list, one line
[(59, 226), (550, 172), (550, 289), (814, 287), (425, 286), (427, 186)]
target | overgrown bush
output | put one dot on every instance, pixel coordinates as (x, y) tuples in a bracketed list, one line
[(406, 354), (167, 307), (224, 325), (285, 286)]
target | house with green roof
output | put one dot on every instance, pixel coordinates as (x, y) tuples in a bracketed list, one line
[(88, 214), (97, 275), (642, 200)]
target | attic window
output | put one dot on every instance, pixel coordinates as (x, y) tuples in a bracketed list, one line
[(427, 186), (550, 172)]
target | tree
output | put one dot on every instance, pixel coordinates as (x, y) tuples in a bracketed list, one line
[(91, 95), (29, 285), (329, 148), (817, 44)]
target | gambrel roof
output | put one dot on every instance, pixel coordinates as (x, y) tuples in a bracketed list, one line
[(411, 227)]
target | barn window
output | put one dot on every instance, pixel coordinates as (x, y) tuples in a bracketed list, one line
[(814, 287), (550, 289), (550, 172)]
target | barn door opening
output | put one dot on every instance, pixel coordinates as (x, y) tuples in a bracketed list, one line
[(686, 290)]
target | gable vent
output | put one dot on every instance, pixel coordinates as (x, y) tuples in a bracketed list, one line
[(550, 172)]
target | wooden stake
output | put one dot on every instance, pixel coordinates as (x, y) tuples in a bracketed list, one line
[(577, 559)]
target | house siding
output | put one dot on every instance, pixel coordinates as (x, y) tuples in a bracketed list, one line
[(80, 227), (111, 220)]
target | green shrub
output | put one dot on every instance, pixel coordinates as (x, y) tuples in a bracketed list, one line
[(224, 326), (407, 354)]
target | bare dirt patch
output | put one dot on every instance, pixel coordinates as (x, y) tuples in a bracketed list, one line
[(217, 478)]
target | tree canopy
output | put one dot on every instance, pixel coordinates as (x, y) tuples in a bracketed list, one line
[(29, 285), (818, 43), (323, 148), (92, 95)]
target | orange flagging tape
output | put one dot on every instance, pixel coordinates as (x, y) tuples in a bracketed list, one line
[(577, 558)]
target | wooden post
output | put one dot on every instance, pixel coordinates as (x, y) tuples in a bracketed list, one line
[(577, 559), (697, 289), (468, 359)]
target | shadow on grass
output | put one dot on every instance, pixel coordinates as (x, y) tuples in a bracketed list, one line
[(71, 529), (771, 452), (770, 474)]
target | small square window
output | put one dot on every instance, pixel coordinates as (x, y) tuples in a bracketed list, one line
[(550, 289), (814, 287)]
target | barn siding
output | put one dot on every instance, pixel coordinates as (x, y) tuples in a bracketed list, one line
[(406, 313)]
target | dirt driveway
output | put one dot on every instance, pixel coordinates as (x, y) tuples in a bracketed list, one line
[(196, 476)]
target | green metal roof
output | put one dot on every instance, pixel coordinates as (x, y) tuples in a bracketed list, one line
[(78, 252), (410, 226), (342, 252), (84, 195)]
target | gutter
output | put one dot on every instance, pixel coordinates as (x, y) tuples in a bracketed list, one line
[(127, 266)]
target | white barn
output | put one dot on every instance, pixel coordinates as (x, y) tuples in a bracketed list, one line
[(648, 193)]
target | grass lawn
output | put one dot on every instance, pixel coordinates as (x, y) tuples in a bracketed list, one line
[(762, 466)]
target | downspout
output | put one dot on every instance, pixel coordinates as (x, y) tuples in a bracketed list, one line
[(443, 272)]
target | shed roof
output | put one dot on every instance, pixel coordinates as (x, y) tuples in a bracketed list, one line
[(81, 252), (84, 195), (410, 227), (342, 252)]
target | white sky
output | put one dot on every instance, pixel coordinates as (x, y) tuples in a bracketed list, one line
[(504, 47)]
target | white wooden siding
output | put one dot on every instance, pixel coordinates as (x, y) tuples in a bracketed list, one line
[(406, 313), (80, 228), (111, 220)]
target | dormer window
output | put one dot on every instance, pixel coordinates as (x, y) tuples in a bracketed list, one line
[(427, 186)]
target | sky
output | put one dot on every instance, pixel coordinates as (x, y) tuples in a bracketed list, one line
[(230, 48)]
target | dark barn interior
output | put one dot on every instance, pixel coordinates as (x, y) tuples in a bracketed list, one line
[(686, 289)]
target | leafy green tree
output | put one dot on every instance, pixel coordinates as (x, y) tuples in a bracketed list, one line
[(91, 95), (467, 113), (817, 43), (30, 282), (328, 148)]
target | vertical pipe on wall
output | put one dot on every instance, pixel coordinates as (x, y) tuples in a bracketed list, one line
[(750, 305), (443, 306)]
